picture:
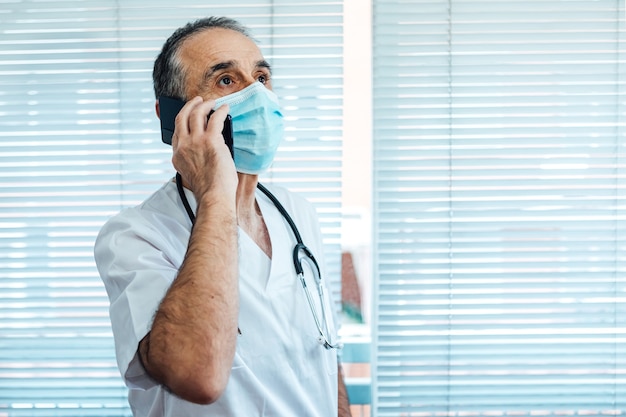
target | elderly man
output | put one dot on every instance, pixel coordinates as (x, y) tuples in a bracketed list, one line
[(213, 309)]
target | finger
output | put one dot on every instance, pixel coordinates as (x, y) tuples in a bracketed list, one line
[(216, 121), (181, 122), (198, 116)]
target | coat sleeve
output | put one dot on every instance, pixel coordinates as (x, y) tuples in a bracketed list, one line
[(136, 265)]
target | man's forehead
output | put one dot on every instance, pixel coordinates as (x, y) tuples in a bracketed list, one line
[(207, 52), (222, 41)]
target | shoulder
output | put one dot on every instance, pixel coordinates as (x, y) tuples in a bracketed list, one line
[(161, 206), (156, 219)]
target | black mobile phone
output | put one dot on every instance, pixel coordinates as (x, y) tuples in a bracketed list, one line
[(169, 108)]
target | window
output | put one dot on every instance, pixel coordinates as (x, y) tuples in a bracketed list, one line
[(80, 141), (499, 208)]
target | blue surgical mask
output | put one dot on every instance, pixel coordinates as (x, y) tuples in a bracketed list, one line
[(257, 127)]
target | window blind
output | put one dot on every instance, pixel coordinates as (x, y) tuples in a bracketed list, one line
[(499, 204), (80, 141)]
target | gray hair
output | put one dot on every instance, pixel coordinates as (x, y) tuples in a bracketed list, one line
[(168, 76)]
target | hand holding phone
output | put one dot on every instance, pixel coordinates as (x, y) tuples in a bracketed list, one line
[(169, 108)]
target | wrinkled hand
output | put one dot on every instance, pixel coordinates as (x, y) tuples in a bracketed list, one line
[(200, 154)]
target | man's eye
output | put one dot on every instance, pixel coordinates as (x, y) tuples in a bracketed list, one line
[(226, 81), (262, 79)]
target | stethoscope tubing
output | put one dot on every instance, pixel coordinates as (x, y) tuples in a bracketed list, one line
[(297, 262)]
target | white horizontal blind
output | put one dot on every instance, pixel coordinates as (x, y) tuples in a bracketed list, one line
[(304, 43), (499, 194), (80, 141)]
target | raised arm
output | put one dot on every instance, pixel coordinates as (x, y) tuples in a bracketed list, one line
[(191, 345)]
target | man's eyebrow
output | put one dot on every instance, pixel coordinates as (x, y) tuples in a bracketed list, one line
[(218, 67), (230, 64), (264, 64)]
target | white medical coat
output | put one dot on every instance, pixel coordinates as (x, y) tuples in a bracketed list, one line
[(279, 368)]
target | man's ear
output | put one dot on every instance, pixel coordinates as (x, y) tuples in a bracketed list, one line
[(157, 109)]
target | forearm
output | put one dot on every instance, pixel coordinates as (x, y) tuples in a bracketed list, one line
[(191, 345), (344, 403)]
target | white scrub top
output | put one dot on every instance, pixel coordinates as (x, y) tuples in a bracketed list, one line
[(279, 368)]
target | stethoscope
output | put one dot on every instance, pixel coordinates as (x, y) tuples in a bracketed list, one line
[(323, 338)]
